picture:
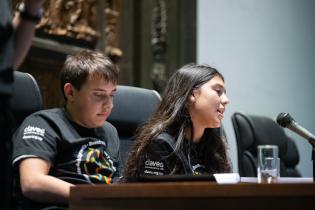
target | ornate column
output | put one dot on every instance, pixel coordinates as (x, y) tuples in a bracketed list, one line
[(159, 44)]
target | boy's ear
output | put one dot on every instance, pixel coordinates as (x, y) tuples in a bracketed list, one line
[(68, 91)]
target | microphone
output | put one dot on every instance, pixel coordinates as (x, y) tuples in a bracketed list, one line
[(285, 120)]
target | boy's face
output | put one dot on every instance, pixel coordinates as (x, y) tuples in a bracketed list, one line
[(91, 105)]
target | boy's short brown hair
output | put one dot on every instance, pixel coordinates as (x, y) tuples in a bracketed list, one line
[(79, 67)]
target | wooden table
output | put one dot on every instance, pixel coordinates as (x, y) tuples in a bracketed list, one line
[(193, 195)]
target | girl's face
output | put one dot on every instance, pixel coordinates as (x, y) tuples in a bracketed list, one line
[(207, 104)]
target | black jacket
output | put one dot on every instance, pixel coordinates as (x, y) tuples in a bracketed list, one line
[(161, 158)]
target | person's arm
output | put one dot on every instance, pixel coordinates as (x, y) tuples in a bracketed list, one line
[(24, 31), (37, 185)]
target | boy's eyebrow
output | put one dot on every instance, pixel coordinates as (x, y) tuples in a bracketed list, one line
[(99, 89)]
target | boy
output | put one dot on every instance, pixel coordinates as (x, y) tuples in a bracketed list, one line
[(57, 148)]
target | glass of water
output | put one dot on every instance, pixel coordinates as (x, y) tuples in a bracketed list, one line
[(267, 164)]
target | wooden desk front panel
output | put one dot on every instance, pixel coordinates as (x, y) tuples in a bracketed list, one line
[(193, 195)]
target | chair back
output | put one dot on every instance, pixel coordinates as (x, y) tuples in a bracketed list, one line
[(253, 130), (133, 106), (26, 97)]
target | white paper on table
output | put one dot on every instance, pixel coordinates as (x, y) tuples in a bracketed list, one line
[(227, 178)]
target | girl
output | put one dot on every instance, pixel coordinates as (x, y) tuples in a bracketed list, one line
[(184, 136)]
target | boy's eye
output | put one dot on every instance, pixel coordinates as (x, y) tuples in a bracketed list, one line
[(103, 97), (100, 96)]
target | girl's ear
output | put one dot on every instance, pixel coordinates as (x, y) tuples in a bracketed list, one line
[(192, 98), (68, 91)]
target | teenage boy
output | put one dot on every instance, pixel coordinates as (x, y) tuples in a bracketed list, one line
[(57, 148)]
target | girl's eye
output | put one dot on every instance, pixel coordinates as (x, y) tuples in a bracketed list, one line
[(219, 92)]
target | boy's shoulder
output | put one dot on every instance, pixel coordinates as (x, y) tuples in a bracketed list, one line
[(50, 116), (48, 112), (107, 130)]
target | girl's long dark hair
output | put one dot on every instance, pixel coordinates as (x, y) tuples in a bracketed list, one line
[(172, 116)]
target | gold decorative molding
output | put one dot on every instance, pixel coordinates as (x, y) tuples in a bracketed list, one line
[(76, 20), (70, 18)]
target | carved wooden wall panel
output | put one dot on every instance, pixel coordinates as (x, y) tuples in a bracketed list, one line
[(67, 27), (74, 19), (148, 39)]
